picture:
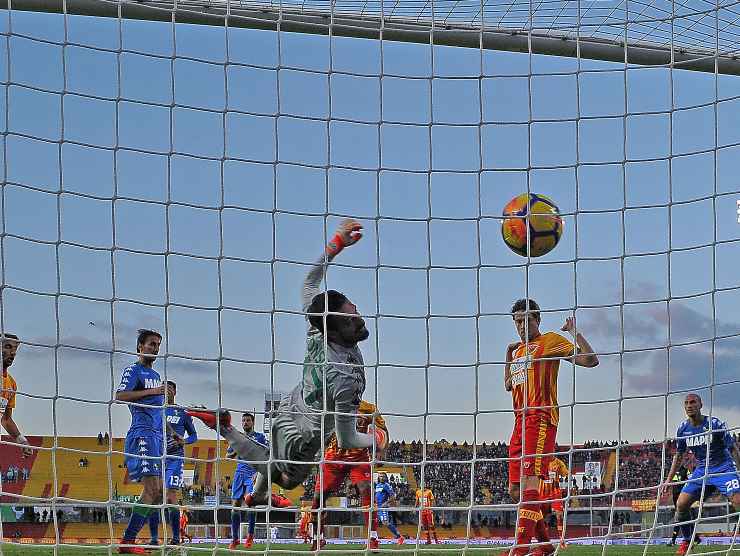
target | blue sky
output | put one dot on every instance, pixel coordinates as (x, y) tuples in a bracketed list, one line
[(430, 201)]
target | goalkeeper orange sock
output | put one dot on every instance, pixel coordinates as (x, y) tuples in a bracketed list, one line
[(529, 516)]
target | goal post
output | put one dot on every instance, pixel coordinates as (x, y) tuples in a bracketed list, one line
[(566, 41), (162, 172)]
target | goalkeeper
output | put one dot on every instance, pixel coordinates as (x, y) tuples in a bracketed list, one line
[(326, 400)]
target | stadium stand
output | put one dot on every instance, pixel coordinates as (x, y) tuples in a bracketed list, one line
[(83, 466)]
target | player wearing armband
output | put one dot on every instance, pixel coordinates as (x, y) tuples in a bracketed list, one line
[(531, 375), (717, 461), (180, 431), (327, 398), (332, 475), (7, 394)]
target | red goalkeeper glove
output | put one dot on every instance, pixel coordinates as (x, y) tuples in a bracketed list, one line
[(349, 232)]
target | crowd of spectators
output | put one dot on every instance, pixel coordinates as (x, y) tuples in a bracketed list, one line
[(13, 474), (451, 470)]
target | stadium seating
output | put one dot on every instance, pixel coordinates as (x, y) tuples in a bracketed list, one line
[(638, 467)]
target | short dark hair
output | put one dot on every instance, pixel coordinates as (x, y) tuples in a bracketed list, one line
[(318, 307), (526, 305), (9, 336), (144, 333), (172, 383), (248, 414)]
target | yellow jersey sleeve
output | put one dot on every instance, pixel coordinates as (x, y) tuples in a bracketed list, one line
[(556, 345), (7, 395)]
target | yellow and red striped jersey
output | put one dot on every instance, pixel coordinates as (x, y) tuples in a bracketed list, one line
[(7, 395), (424, 498), (534, 375), (335, 453)]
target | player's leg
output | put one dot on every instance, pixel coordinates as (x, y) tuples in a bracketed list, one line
[(393, 528), (360, 476), (558, 509), (329, 478), (689, 494), (173, 483), (251, 517), (539, 436), (426, 525), (674, 536), (173, 513), (153, 523), (238, 490), (433, 527), (147, 471), (251, 526)]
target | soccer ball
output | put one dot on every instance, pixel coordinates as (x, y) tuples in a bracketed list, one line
[(545, 224)]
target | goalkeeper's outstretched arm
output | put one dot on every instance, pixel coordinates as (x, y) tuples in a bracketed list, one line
[(348, 233)]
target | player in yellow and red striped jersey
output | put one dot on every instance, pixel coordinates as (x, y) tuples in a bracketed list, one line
[(304, 524), (331, 475), (425, 500), (7, 393), (531, 375), (550, 492)]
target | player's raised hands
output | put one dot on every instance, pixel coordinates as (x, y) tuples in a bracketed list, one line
[(348, 233), (569, 326)]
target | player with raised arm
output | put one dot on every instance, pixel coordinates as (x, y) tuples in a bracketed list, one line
[(337, 468), (7, 394), (327, 398), (180, 431), (717, 461), (531, 375), (142, 389), (243, 484), (551, 494), (425, 501), (385, 497)]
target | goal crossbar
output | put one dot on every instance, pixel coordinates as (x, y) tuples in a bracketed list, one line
[(324, 22)]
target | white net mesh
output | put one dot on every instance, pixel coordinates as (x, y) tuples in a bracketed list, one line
[(180, 168)]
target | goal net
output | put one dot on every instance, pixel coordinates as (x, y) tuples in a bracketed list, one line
[(181, 166)]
